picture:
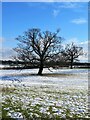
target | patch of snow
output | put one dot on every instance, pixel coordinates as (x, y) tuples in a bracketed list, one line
[(74, 78)]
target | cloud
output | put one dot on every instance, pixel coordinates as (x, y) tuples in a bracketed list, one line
[(65, 5), (69, 5), (74, 40), (1, 39), (79, 21), (6, 53), (84, 57), (56, 12), (84, 44)]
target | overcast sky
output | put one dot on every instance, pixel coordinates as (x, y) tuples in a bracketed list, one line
[(70, 17)]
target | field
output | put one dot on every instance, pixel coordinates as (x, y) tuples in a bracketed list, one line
[(57, 94)]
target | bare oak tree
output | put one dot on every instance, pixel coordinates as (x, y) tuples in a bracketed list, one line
[(38, 47), (71, 53)]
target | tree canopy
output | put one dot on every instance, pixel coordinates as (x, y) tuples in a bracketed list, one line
[(72, 52), (36, 47)]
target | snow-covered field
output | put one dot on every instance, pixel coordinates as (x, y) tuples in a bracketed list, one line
[(61, 93)]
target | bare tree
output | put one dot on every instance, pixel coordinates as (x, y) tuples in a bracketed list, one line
[(71, 53), (37, 47)]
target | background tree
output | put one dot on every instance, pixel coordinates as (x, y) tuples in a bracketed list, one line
[(37, 47), (71, 53)]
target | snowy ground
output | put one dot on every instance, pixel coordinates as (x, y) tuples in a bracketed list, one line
[(62, 77), (61, 93)]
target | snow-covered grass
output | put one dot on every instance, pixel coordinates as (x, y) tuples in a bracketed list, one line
[(62, 93)]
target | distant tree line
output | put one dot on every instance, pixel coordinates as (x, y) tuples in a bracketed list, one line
[(57, 64)]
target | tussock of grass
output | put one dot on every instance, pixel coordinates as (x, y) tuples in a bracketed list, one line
[(7, 90)]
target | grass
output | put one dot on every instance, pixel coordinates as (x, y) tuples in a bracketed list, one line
[(57, 75), (43, 103)]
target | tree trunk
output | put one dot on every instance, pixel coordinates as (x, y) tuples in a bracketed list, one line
[(40, 68), (71, 62), (71, 65)]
